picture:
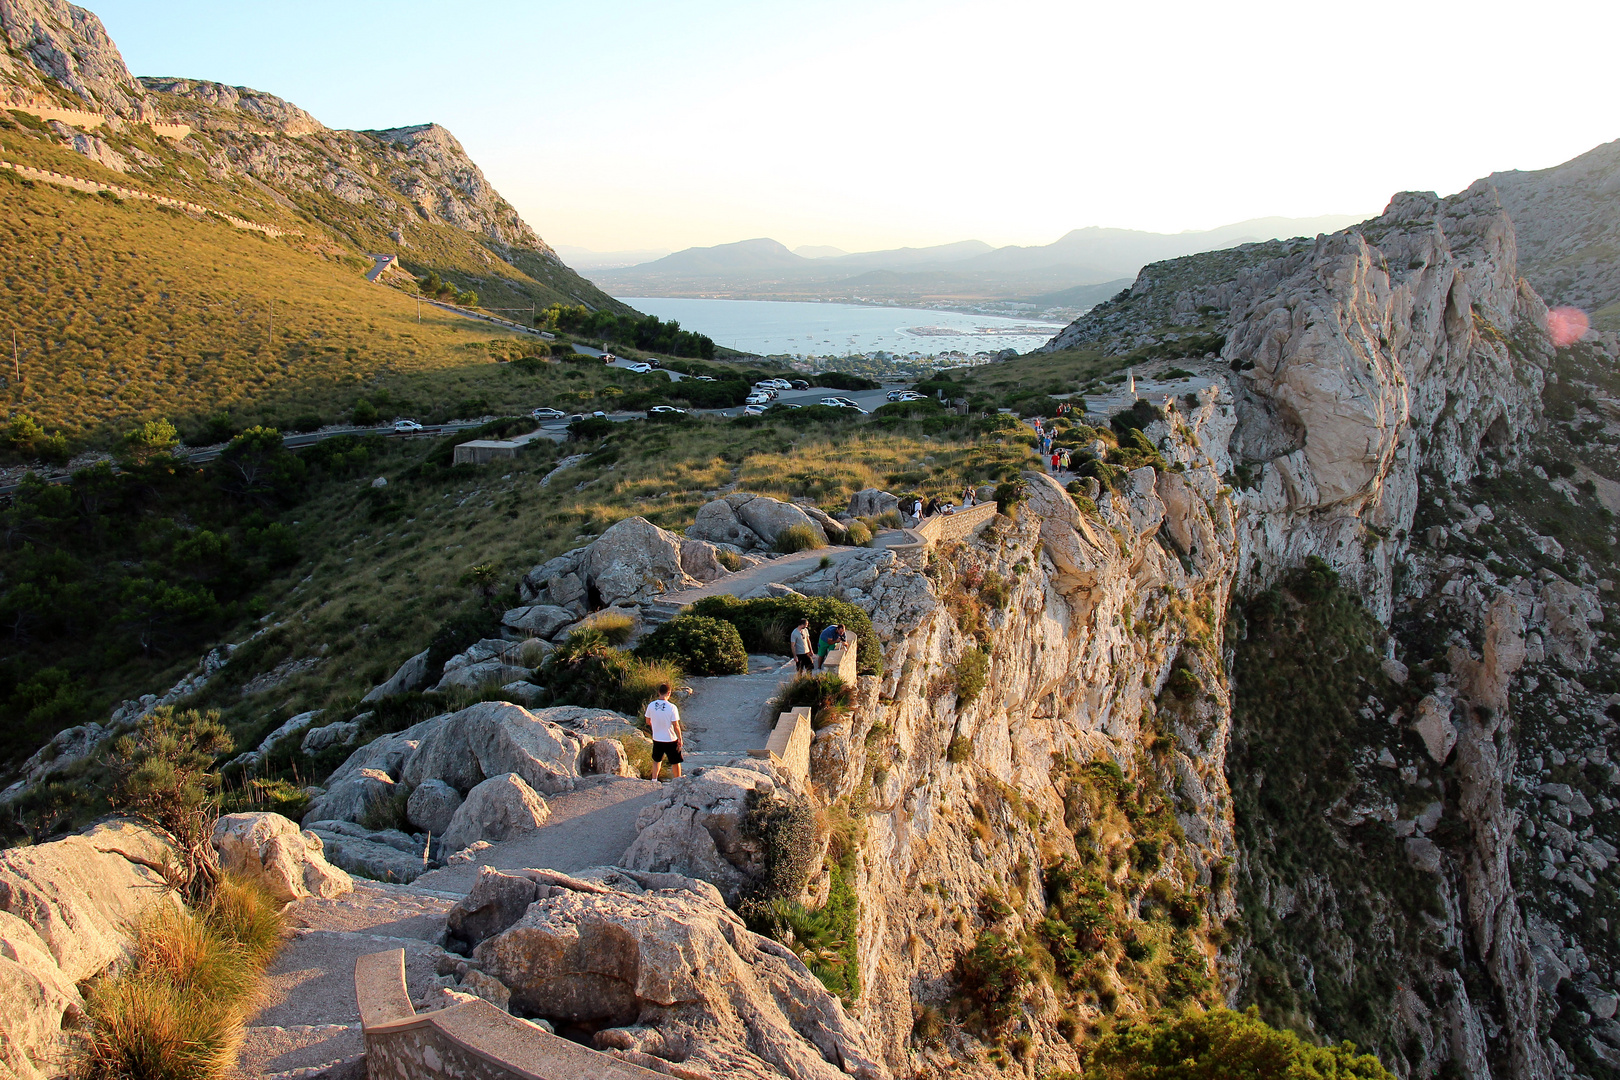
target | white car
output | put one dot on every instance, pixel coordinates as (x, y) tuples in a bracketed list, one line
[(641, 369), (755, 409), (403, 426), (841, 403), (780, 384), (757, 399), (548, 414), (912, 395), (667, 410), (704, 378)]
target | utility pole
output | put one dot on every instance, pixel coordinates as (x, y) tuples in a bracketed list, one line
[(16, 360)]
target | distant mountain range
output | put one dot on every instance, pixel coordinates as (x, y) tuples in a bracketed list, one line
[(1071, 273)]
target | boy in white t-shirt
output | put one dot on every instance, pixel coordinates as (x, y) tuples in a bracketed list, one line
[(665, 720)]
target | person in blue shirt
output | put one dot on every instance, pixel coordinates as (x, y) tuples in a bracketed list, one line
[(830, 639)]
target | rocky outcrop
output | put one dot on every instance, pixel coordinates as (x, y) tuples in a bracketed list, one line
[(870, 502), (490, 662), (500, 808), (271, 850), (751, 522), (379, 854), (494, 738), (52, 44), (67, 747), (664, 971), (432, 806), (694, 830), (411, 675), (67, 913), (633, 562)]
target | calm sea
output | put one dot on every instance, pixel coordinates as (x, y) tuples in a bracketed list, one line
[(805, 329)]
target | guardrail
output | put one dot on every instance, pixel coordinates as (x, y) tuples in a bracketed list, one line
[(940, 528), (470, 1041)]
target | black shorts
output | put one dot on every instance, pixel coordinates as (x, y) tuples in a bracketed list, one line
[(805, 661), (667, 751)]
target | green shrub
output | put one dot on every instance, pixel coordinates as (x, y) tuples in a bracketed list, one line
[(162, 773), (786, 831), (765, 623), (972, 673), (729, 559), (1217, 1045), (798, 538), (992, 976), (829, 697), (858, 535), (960, 750), (1009, 493), (585, 670), (699, 644)]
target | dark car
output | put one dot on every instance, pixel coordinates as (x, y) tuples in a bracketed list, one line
[(800, 384)]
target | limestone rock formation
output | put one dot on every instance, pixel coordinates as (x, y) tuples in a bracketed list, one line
[(693, 830), (870, 502), (379, 854), (411, 675), (493, 738), (750, 522), (664, 969), (538, 620), (353, 797), (67, 45), (432, 806), (271, 850), (500, 808), (485, 663), (635, 561)]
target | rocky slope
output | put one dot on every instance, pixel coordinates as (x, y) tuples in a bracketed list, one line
[(410, 191), (1568, 223)]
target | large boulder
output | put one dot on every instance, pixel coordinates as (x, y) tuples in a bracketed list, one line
[(411, 675), (658, 965), (717, 523), (496, 737), (500, 808), (495, 902), (254, 759), (768, 518), (432, 806), (635, 561), (379, 854), (557, 582), (353, 797), (81, 900), (538, 620), (67, 747), (701, 560), (870, 502), (831, 527), (273, 851), (490, 661), (694, 830)]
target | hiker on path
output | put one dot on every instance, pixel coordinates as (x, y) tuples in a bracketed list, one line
[(803, 654), (830, 639), (665, 720), (917, 510), (967, 498), (1066, 459), (1055, 459)]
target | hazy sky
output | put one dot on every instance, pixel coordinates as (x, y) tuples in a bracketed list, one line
[(879, 123)]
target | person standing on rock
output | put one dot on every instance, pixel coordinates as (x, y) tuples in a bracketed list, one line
[(803, 655), (665, 720)]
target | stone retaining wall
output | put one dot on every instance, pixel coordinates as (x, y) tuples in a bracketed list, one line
[(79, 183), (470, 1041)]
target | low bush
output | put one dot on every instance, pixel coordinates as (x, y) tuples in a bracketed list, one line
[(960, 749), (1009, 493), (829, 697), (1219, 1043), (729, 559), (972, 673), (614, 626), (585, 670), (798, 538), (699, 644), (765, 623), (858, 535)]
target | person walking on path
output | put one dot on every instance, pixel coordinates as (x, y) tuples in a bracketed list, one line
[(803, 655), (1065, 459), (1054, 462), (665, 720), (917, 510), (830, 639)]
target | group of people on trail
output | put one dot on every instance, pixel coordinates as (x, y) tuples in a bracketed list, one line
[(664, 718), (1057, 458)]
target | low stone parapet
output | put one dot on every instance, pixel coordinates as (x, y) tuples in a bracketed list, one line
[(789, 744), (470, 1041)]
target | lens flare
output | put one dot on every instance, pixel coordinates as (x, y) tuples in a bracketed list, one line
[(1566, 325)]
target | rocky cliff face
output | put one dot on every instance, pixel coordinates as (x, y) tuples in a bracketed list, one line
[(62, 51), (1372, 371)]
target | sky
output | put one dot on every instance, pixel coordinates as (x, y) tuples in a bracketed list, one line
[(617, 125)]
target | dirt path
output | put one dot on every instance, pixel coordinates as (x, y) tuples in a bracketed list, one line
[(726, 712)]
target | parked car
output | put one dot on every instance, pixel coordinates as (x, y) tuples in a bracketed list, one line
[(759, 398), (841, 403), (548, 414), (576, 417), (754, 410), (704, 378), (406, 426), (800, 384), (599, 414), (666, 410), (608, 358), (786, 405), (782, 384), (910, 395), (641, 369), (894, 395)]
